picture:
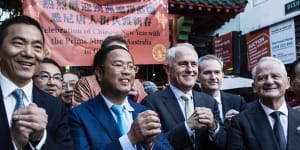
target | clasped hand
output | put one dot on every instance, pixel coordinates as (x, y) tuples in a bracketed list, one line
[(145, 128), (201, 117), (28, 124)]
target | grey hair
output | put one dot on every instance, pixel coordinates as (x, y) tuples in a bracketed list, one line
[(170, 55), (264, 59), (210, 57)]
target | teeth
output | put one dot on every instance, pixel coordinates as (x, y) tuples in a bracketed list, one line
[(125, 80)]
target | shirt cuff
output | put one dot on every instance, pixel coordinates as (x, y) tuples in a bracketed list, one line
[(125, 143), (213, 133), (41, 143), (188, 129)]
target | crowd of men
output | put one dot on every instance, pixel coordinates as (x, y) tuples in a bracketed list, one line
[(36, 109)]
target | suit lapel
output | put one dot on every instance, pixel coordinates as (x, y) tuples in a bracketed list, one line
[(100, 111), (293, 137), (225, 104), (171, 103), (259, 121), (5, 138), (37, 97)]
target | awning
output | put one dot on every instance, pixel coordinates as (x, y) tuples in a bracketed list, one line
[(208, 15), (236, 82)]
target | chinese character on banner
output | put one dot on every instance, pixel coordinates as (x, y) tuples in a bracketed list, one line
[(74, 29)]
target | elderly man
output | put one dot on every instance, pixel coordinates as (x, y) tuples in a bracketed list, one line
[(267, 123), (211, 76), (111, 120), (189, 118), (30, 118)]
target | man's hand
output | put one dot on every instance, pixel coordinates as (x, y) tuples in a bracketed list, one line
[(20, 134), (205, 117), (145, 128), (32, 118), (228, 115)]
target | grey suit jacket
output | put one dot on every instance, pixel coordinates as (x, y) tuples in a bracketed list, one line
[(251, 130), (172, 120)]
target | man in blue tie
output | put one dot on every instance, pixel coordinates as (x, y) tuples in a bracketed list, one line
[(30, 118), (266, 123), (111, 120)]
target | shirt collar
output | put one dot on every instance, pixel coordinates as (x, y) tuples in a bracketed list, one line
[(8, 87), (128, 107), (283, 109), (178, 93), (218, 97)]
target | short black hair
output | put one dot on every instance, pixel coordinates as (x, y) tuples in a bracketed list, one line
[(51, 61), (101, 55), (18, 20), (292, 72), (114, 38)]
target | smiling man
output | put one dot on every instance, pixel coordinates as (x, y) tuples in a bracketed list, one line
[(30, 118), (189, 118), (96, 123), (267, 123)]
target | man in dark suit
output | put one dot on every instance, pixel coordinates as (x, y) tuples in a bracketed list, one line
[(95, 124), (189, 123), (210, 77), (30, 118), (267, 123)]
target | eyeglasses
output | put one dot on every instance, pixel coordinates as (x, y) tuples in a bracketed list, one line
[(45, 76), (128, 66)]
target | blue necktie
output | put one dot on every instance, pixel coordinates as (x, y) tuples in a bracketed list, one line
[(278, 130), (19, 94), (118, 110)]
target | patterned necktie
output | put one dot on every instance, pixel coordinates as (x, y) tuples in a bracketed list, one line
[(119, 111), (189, 109), (19, 95), (278, 130)]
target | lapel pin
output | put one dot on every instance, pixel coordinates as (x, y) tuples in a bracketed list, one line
[(298, 130)]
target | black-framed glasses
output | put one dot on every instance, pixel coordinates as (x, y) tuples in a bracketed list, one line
[(129, 66), (45, 76)]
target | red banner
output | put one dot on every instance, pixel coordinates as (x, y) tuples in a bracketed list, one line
[(258, 46), (222, 47), (74, 29)]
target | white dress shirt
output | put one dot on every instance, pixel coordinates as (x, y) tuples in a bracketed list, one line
[(283, 117), (7, 88), (124, 140)]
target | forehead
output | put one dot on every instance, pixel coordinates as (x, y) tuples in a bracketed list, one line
[(49, 68), (119, 55), (185, 54), (269, 67), (26, 31), (210, 64), (69, 77)]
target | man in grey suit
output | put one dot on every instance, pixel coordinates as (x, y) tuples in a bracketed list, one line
[(267, 123), (190, 121), (210, 77)]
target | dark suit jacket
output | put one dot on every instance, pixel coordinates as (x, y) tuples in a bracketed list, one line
[(93, 127), (172, 119), (230, 101), (58, 132), (251, 130)]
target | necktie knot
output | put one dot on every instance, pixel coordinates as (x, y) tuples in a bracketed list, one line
[(118, 109), (186, 97), (18, 94), (276, 114)]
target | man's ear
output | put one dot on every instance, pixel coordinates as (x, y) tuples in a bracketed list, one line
[(166, 68), (99, 73)]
